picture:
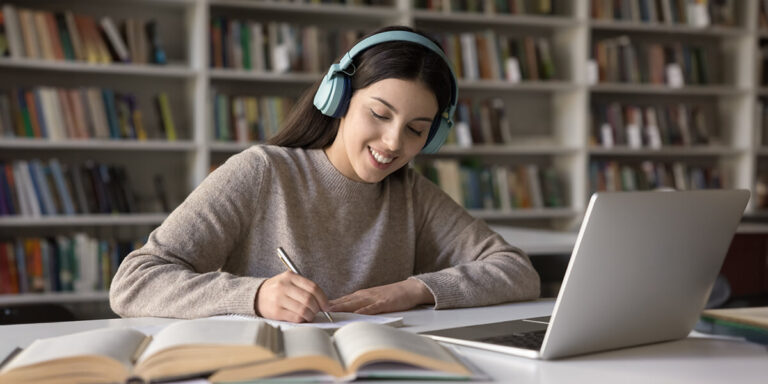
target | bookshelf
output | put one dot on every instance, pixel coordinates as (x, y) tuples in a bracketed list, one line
[(551, 121)]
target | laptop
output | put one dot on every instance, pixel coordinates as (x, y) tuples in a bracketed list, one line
[(641, 271)]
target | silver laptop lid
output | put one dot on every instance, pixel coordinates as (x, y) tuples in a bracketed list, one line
[(642, 268)]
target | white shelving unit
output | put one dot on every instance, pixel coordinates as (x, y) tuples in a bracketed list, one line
[(563, 105)]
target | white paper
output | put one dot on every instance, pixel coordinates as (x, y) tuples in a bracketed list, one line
[(340, 319)]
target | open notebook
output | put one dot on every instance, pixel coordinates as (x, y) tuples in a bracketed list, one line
[(340, 319)]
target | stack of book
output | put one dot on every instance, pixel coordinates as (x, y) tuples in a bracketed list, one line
[(81, 113), (276, 46), (77, 263), (697, 13), (39, 34), (651, 126), (486, 55), (496, 187), (615, 176), (33, 188), (514, 7), (248, 118), (619, 60)]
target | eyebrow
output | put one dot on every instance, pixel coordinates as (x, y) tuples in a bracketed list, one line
[(392, 107)]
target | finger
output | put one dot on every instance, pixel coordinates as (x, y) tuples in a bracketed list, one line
[(295, 311), (342, 300), (303, 297), (313, 289), (351, 305), (371, 309)]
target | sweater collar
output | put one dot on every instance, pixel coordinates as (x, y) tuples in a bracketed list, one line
[(340, 184)]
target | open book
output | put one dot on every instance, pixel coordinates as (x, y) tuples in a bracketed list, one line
[(186, 348), (231, 350), (357, 350), (750, 323)]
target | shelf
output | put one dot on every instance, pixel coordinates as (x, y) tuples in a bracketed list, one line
[(670, 151), (486, 19), (525, 86), (541, 213), (762, 91), (125, 219), (54, 297), (762, 151), (221, 146), (654, 89), (269, 77), (491, 150), (170, 70), (97, 145), (662, 28), (313, 9)]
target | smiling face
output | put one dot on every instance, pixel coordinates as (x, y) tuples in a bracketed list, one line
[(386, 125)]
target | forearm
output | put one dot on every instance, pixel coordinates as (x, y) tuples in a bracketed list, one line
[(147, 286), (495, 279)]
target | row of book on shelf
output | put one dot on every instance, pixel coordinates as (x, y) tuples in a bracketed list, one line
[(32, 188), (491, 56), (64, 35), (276, 46), (619, 60), (76, 263), (696, 13), (284, 47), (613, 175), (513, 7), (496, 187), (650, 126), (248, 118), (81, 113)]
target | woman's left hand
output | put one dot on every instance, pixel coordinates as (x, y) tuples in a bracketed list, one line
[(394, 297)]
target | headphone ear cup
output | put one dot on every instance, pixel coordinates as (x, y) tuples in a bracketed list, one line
[(438, 138), (346, 95), (330, 94)]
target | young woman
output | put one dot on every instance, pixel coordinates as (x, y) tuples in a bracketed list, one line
[(337, 194)]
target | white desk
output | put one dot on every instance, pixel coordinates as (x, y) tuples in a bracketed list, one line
[(692, 360)]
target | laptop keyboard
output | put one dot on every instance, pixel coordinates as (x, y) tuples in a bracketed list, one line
[(527, 340)]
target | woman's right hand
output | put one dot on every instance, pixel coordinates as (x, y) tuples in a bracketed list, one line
[(290, 297)]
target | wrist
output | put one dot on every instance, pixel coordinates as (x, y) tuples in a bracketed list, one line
[(420, 290)]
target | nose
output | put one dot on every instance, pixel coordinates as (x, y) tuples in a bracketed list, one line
[(393, 137)]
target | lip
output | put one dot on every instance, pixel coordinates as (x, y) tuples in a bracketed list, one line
[(376, 163)]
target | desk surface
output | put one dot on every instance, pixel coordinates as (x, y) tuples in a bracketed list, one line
[(694, 359)]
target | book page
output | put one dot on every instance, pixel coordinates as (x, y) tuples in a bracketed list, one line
[(118, 344), (359, 342), (306, 341), (212, 332), (340, 319), (754, 316)]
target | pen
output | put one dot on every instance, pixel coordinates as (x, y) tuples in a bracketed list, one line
[(288, 263)]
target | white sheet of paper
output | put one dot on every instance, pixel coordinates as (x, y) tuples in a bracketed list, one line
[(340, 319)]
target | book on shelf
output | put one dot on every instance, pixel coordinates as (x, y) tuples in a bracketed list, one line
[(699, 13), (651, 126), (276, 46), (247, 119), (750, 323), (64, 35), (611, 175), (503, 7), (74, 263), (81, 113), (488, 55), (619, 60), (33, 188), (496, 187), (230, 351)]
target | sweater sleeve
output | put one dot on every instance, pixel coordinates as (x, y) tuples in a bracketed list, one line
[(461, 260), (176, 273)]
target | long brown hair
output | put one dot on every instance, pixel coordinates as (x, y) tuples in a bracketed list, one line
[(307, 127)]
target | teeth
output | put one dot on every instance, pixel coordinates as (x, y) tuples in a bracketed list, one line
[(379, 157)]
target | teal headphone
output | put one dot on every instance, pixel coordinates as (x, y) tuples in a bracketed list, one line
[(332, 97)]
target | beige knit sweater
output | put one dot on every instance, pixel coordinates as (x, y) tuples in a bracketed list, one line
[(213, 252)]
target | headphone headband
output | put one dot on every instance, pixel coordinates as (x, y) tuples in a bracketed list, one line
[(333, 95)]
